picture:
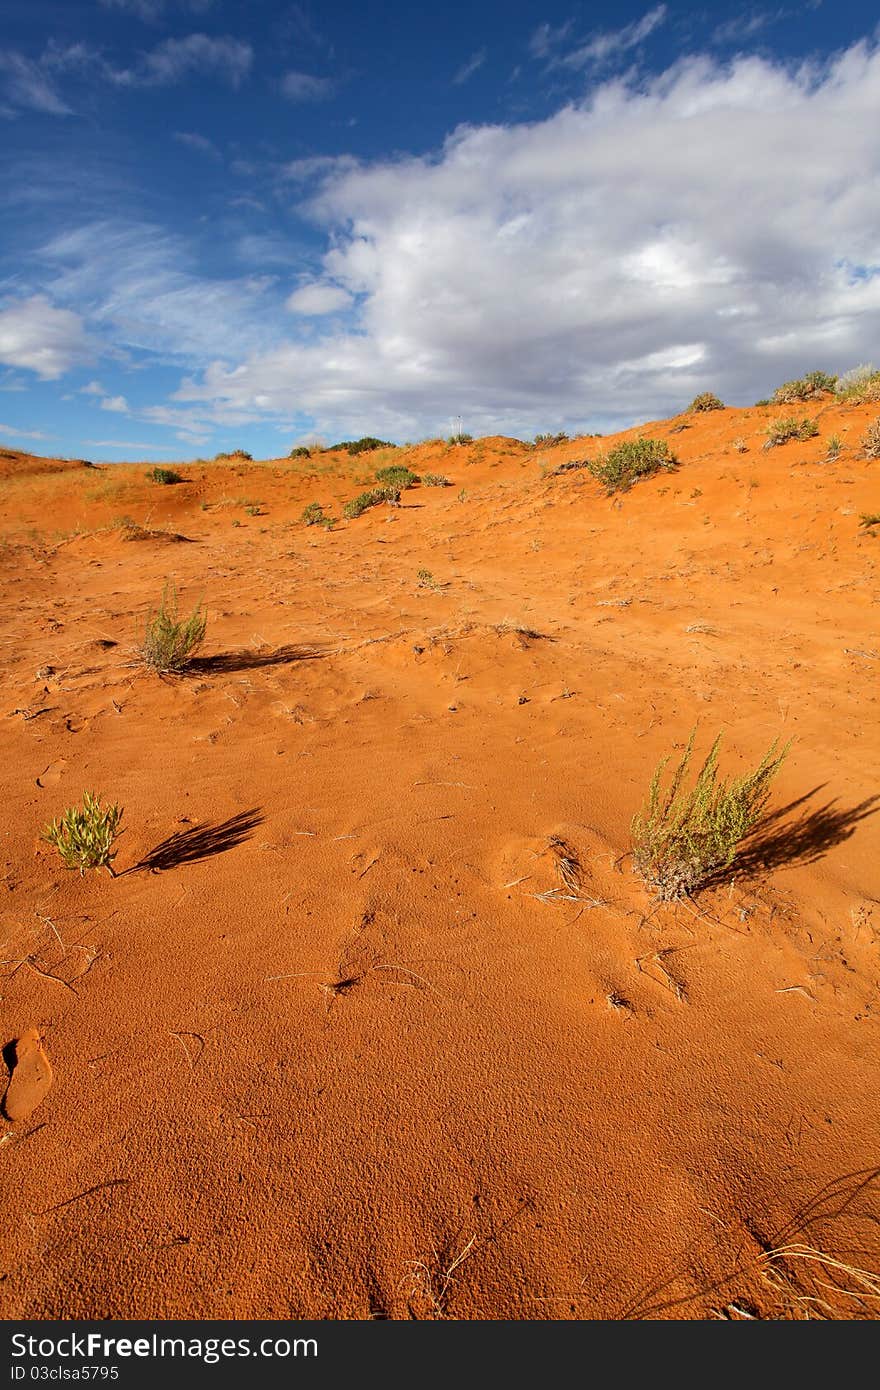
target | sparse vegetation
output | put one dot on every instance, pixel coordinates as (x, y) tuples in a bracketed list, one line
[(631, 460), (833, 448), (373, 498), (707, 400), (300, 452), (169, 641), (682, 839), (859, 385), (869, 519), (763, 402), (781, 431), (435, 480), (314, 515), (163, 475), (741, 446), (547, 441), (804, 388), (460, 439), (397, 475), (870, 440), (235, 454), (360, 446), (85, 834), (426, 580)]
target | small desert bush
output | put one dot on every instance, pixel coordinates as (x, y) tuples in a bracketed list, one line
[(397, 475), (460, 439), (435, 480), (84, 835), (834, 447), (859, 385), (313, 515), (682, 839), (359, 446), (169, 640), (626, 463), (781, 431), (373, 498), (300, 452), (547, 441), (869, 519), (235, 454), (707, 400), (163, 475), (870, 441), (426, 580), (804, 388), (741, 446)]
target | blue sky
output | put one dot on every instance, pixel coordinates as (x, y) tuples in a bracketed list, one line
[(248, 225)]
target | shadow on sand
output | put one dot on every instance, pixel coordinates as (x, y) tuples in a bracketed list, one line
[(199, 842), (227, 662), (784, 839)]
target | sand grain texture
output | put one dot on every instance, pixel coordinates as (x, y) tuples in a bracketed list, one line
[(342, 1039)]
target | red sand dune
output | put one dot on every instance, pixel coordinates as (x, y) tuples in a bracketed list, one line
[(333, 1044)]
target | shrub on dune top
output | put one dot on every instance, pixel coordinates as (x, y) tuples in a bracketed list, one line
[(707, 400), (163, 475), (804, 388)]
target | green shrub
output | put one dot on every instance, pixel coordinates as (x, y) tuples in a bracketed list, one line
[(460, 439), (435, 480), (631, 460), (170, 641), (84, 836), (781, 431), (163, 475), (360, 446), (300, 452), (764, 402), (834, 447), (805, 388), (373, 498), (870, 440), (426, 580), (707, 400), (682, 839), (547, 441), (235, 454), (313, 515), (397, 475)]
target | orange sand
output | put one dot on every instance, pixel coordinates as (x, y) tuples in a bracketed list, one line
[(328, 1049)]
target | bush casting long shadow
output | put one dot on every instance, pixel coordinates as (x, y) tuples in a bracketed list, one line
[(200, 842), (779, 842), (227, 662)]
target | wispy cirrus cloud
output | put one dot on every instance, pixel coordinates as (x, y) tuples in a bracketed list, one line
[(560, 48), (28, 85), (468, 68), (151, 10)]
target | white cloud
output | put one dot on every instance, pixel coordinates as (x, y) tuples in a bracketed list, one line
[(117, 404), (467, 70), (23, 434), (200, 143), (318, 299), (92, 388), (27, 85), (303, 86), (713, 227), (36, 335), (150, 10), (227, 58)]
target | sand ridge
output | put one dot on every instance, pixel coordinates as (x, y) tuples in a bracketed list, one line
[(341, 1040)]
